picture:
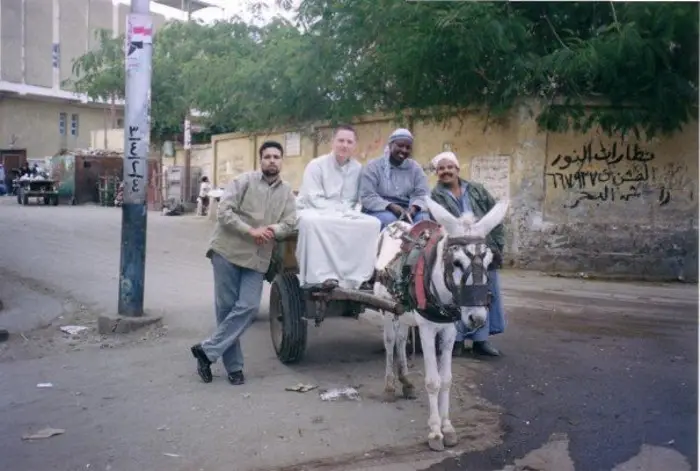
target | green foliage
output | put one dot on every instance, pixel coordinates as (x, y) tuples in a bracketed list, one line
[(627, 67)]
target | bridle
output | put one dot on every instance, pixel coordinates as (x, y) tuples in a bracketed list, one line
[(476, 294)]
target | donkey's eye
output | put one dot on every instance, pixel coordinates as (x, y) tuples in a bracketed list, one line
[(458, 264)]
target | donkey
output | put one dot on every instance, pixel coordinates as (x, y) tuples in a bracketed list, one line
[(457, 280)]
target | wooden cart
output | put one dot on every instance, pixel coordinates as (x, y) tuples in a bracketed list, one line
[(291, 306), (43, 190)]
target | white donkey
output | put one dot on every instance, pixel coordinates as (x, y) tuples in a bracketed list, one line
[(457, 283)]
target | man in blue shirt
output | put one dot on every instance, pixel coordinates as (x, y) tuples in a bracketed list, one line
[(395, 185)]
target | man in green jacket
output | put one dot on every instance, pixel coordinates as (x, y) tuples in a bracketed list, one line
[(459, 196), (257, 208)]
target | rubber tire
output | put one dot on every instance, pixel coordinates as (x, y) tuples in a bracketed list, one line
[(286, 295), (54, 200), (46, 200), (19, 197), (25, 199)]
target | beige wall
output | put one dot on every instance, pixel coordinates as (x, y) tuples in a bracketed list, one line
[(33, 125), (644, 224)]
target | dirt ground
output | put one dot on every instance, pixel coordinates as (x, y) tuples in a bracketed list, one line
[(134, 402)]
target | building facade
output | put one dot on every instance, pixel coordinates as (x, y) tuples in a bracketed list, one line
[(39, 40)]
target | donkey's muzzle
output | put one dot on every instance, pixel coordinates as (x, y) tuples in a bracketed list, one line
[(474, 295)]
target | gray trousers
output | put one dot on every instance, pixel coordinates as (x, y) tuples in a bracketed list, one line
[(237, 293)]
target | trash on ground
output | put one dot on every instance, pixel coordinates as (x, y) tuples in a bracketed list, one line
[(44, 385), (44, 433), (172, 455), (73, 329), (302, 388), (340, 393)]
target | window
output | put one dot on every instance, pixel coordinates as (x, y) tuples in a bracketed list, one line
[(74, 125), (62, 123)]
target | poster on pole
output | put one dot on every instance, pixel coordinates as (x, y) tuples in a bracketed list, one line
[(139, 49)]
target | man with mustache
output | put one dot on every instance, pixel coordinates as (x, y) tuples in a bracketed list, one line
[(459, 196), (257, 208), (395, 186), (330, 225)]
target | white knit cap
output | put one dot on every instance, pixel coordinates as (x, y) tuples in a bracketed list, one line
[(445, 156)]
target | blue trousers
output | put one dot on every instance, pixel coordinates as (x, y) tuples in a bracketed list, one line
[(496, 321), (387, 217), (237, 293)]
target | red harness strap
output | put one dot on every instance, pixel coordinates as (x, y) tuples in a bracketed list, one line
[(419, 269)]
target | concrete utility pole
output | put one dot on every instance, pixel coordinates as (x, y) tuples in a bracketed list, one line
[(137, 128), (186, 183)]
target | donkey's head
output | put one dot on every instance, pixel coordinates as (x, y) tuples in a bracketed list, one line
[(460, 274)]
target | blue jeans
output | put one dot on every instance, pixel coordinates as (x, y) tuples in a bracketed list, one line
[(386, 217), (237, 293), (496, 321)]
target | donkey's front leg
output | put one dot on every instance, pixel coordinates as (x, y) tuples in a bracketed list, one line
[(427, 333), (449, 334), (390, 329), (409, 391)]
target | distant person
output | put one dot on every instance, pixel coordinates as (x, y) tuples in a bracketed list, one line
[(203, 198), (24, 169), (257, 208)]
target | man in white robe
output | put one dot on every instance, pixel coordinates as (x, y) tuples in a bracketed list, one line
[(336, 241)]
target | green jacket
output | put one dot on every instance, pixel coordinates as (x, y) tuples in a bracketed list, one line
[(481, 203)]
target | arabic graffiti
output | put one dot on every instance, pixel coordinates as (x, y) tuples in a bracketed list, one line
[(620, 172)]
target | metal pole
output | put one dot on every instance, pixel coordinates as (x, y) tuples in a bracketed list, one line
[(186, 184), (139, 48)]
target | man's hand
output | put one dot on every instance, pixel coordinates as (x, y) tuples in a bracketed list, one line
[(396, 209), (413, 210), (262, 235)]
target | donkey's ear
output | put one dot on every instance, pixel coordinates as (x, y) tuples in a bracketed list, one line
[(491, 219), (444, 218)]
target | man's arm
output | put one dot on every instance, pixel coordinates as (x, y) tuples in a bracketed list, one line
[(230, 203), (311, 193), (288, 220), (369, 183), (421, 190)]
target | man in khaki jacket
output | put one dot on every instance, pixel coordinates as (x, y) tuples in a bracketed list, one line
[(256, 208)]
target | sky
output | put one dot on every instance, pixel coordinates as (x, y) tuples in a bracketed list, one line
[(223, 9)]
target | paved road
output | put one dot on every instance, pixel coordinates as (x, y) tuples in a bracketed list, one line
[(134, 403), (612, 366)]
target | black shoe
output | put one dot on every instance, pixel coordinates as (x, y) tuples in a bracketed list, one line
[(486, 349), (236, 378), (203, 363)]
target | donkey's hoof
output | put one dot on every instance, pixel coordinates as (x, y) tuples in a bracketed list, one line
[(450, 438), (389, 395), (436, 442), (409, 392)]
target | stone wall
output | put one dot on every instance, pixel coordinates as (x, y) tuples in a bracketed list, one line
[(580, 203)]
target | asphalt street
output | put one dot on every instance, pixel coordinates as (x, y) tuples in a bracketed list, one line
[(613, 371)]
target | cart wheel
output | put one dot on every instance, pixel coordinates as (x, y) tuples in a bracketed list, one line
[(287, 323), (25, 198), (46, 200), (54, 200), (19, 197)]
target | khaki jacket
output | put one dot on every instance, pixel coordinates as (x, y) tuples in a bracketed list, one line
[(251, 202)]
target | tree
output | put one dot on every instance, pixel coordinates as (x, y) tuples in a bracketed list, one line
[(637, 61), (626, 67)]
